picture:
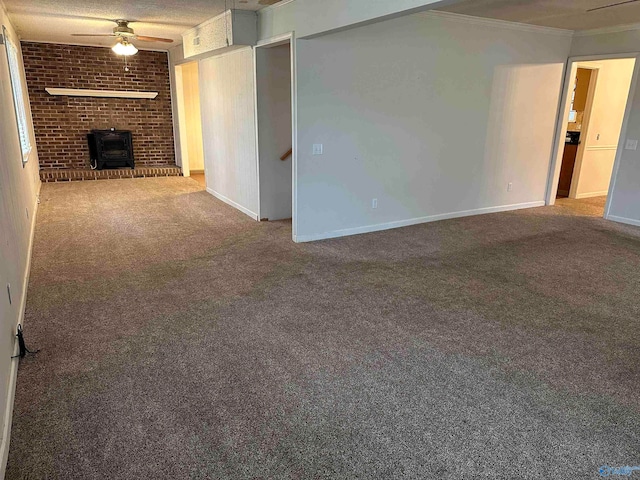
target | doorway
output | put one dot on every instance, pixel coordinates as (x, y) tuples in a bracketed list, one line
[(597, 97), (274, 80), (189, 121)]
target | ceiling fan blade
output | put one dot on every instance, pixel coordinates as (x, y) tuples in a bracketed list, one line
[(616, 4), (268, 2), (92, 35), (144, 38)]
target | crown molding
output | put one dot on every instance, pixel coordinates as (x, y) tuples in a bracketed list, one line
[(492, 22), (605, 30), (282, 3)]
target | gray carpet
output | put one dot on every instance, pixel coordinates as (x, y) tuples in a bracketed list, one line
[(180, 339)]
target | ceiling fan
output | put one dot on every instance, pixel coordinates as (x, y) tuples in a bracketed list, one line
[(123, 32)]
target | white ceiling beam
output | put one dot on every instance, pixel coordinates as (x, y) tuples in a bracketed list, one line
[(309, 18)]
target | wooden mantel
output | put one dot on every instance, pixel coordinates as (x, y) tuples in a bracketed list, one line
[(83, 92)]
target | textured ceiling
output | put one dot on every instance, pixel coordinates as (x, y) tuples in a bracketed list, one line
[(54, 20), (567, 14)]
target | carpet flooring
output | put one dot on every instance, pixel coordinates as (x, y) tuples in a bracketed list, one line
[(179, 339)]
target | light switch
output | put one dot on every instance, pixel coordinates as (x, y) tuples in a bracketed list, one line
[(631, 145), (317, 149)]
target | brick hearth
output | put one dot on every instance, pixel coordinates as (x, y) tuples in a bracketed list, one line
[(69, 175)]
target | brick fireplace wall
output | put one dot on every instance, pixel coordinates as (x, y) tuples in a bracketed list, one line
[(62, 123)]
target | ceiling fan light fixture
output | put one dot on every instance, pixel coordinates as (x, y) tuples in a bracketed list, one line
[(123, 47)]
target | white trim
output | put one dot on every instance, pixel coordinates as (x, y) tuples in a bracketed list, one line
[(85, 92), (180, 122), (415, 221), (602, 56), (592, 194), (492, 22), (294, 137), (228, 201), (628, 221), (174, 110), (275, 41), (591, 148), (221, 52), (557, 148), (254, 57), (13, 374), (283, 39), (282, 3)]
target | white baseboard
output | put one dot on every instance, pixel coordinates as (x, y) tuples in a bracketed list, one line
[(592, 194), (414, 221), (628, 221), (13, 375), (228, 201)]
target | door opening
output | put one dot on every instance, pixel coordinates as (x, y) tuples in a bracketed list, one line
[(274, 130), (189, 121), (598, 94), (582, 88)]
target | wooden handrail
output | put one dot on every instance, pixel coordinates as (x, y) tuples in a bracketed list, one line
[(284, 157)]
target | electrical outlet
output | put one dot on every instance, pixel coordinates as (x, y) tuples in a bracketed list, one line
[(509, 187), (598, 137), (374, 203), (196, 41), (631, 145), (317, 149)]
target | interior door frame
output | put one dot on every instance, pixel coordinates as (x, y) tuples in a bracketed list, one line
[(563, 113), (184, 150), (286, 38), (588, 108)]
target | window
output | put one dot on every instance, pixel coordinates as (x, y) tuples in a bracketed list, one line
[(18, 95)]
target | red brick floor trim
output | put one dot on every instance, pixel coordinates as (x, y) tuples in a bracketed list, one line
[(68, 175)]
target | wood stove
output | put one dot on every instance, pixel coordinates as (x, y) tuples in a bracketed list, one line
[(110, 149)]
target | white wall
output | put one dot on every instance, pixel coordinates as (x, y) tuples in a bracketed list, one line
[(624, 196), (227, 96), (273, 82), (18, 192), (600, 138), (431, 114)]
